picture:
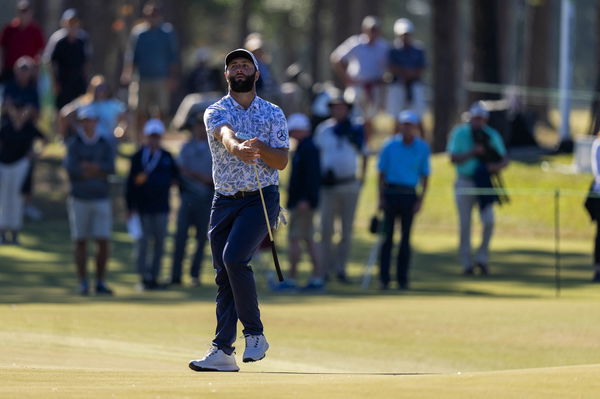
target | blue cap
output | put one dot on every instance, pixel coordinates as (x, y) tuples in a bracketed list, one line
[(409, 117)]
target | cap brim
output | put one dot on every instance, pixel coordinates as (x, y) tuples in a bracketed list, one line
[(240, 53)]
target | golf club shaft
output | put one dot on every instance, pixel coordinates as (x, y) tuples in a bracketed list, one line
[(273, 250)]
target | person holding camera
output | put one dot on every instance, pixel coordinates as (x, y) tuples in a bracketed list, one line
[(479, 154)]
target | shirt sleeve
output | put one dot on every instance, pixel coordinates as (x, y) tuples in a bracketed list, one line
[(383, 158), (214, 117), (279, 137), (454, 146), (344, 50)]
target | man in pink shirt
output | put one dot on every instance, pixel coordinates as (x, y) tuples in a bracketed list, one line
[(20, 37)]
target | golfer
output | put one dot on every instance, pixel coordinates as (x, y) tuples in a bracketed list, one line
[(246, 135)]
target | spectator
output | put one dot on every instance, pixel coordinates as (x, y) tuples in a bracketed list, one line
[(360, 63), (153, 54), (112, 113), (152, 173), (89, 162), (68, 53), (403, 165), (266, 86), (17, 136), (203, 78), (341, 143), (197, 190), (592, 205), (23, 90), (407, 64), (20, 37), (470, 147), (303, 200)]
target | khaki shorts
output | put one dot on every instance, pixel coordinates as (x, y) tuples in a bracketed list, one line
[(89, 219), (149, 95), (301, 224)]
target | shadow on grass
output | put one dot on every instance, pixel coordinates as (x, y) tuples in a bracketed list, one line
[(42, 271)]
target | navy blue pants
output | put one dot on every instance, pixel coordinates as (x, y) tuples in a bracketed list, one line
[(237, 227), (397, 205)]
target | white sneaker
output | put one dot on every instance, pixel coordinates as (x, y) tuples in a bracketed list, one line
[(215, 360), (256, 348)]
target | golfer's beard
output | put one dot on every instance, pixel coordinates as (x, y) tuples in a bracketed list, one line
[(241, 86)]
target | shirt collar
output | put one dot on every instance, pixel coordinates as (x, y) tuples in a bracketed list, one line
[(253, 105)]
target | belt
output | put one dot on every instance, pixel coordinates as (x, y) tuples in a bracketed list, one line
[(400, 188), (241, 194), (244, 194)]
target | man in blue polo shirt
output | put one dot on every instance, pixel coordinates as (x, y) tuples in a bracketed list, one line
[(406, 62), (403, 165)]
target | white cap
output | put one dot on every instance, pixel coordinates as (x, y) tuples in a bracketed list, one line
[(403, 26), (478, 109), (154, 126), (409, 116), (298, 122)]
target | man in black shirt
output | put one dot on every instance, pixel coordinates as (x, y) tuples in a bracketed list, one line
[(68, 53)]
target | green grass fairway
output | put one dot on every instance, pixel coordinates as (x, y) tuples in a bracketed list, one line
[(321, 347), (507, 335)]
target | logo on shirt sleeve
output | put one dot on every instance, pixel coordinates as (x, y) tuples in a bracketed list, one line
[(282, 135)]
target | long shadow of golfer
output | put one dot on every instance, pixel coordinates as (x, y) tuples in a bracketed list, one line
[(333, 373)]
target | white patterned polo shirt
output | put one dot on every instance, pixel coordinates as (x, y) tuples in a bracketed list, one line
[(261, 120)]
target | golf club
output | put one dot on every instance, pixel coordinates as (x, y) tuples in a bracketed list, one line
[(273, 250)]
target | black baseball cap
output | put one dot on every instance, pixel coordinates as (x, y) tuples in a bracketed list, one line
[(241, 53)]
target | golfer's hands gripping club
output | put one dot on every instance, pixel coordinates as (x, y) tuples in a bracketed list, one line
[(249, 151)]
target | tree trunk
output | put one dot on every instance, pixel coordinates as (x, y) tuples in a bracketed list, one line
[(539, 63), (244, 28), (486, 59), (315, 40), (445, 69)]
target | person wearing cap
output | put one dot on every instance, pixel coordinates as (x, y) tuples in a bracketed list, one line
[(303, 201), (360, 62), (267, 86), (23, 90), (406, 62), (68, 55), (153, 52), (152, 173), (468, 154), (89, 162), (21, 37), (196, 194), (204, 77), (17, 137), (403, 175), (341, 144), (249, 143)]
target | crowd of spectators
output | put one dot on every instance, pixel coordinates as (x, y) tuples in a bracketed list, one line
[(331, 127)]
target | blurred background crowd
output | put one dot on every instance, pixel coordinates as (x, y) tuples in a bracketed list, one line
[(98, 74)]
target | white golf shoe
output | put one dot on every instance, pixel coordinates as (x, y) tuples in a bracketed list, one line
[(215, 360), (256, 348)]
